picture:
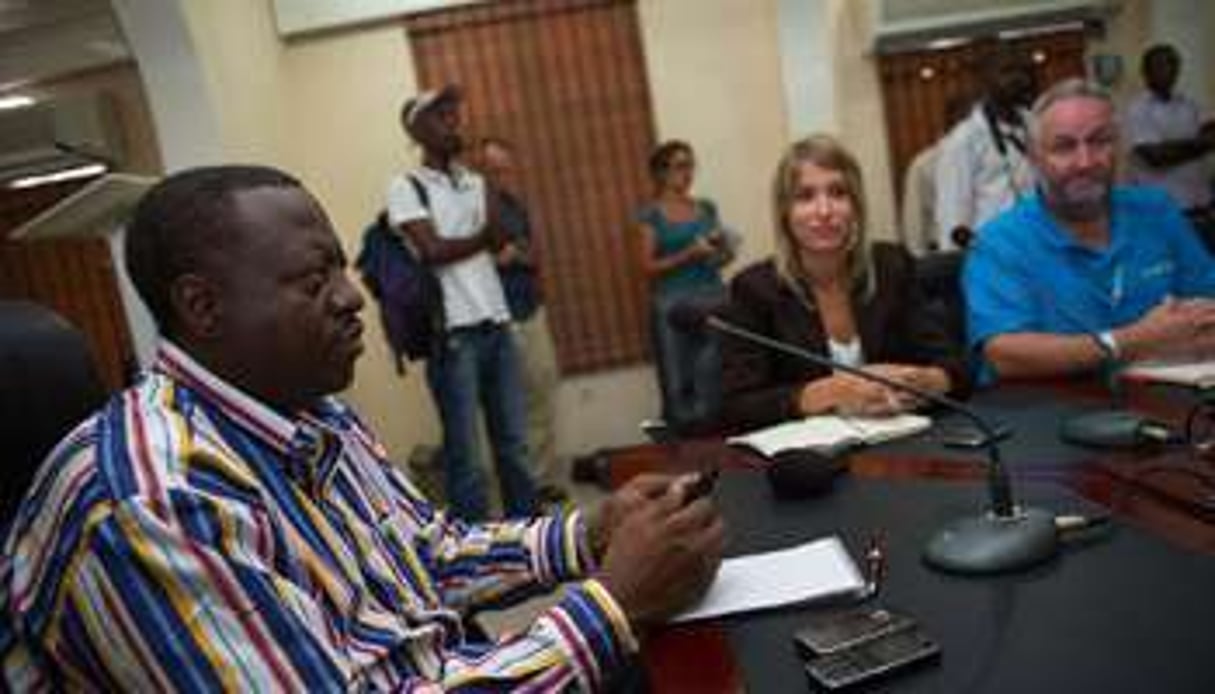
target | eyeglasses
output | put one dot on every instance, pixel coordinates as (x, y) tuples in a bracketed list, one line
[(681, 165)]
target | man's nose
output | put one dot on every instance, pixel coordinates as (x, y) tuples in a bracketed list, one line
[(1084, 156), (347, 298)]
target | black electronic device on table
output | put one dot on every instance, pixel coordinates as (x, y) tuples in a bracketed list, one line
[(837, 630), (701, 485), (872, 659)]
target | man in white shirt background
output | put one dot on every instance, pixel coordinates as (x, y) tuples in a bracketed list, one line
[(1168, 139), (982, 166), (443, 211), (918, 231)]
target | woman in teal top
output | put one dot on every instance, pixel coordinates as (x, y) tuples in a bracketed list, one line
[(682, 250)]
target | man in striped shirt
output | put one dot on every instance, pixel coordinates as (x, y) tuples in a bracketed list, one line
[(225, 524)]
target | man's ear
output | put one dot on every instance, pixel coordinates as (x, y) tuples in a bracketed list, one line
[(197, 305)]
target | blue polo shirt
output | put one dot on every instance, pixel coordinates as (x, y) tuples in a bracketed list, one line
[(1025, 273)]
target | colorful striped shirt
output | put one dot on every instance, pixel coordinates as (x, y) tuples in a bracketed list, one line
[(188, 537)]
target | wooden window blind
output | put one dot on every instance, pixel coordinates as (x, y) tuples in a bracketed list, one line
[(74, 277), (917, 85), (565, 82)]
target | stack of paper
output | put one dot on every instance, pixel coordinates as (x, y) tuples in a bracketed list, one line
[(830, 432), (818, 569), (1193, 373)]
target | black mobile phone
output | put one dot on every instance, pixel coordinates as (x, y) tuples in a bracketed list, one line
[(657, 430), (701, 486), (873, 659), (836, 630)]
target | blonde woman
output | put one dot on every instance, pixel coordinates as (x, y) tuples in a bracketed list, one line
[(830, 291)]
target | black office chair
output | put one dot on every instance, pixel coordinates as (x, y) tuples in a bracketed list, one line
[(48, 384), (939, 276)]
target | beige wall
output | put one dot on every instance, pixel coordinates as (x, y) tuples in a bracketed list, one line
[(240, 59), (121, 83), (862, 124), (1126, 36), (715, 80)]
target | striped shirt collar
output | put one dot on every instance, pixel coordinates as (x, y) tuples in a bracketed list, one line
[(307, 442)]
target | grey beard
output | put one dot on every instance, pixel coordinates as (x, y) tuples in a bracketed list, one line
[(1079, 210), (1083, 211)]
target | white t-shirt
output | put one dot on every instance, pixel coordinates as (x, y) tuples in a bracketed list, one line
[(975, 182), (1149, 120), (472, 292), (919, 228), (848, 353)]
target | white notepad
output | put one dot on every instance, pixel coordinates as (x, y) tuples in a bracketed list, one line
[(818, 569), (1192, 373), (831, 432)]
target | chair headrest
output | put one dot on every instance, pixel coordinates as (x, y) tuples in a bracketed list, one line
[(48, 384)]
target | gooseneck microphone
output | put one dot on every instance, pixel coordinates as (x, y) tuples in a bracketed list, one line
[(1007, 537)]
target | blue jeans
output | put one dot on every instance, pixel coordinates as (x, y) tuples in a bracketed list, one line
[(689, 363), (478, 367)]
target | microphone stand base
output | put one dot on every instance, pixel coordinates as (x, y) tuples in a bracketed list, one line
[(991, 544)]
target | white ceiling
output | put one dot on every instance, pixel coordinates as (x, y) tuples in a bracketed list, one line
[(42, 39), (25, 14)]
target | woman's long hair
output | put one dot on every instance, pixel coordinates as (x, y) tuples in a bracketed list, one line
[(825, 152)]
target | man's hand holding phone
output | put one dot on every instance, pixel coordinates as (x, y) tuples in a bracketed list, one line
[(699, 486), (662, 540)]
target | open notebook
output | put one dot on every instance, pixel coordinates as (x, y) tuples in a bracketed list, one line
[(830, 432)]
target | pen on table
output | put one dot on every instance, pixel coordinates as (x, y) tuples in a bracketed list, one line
[(875, 565)]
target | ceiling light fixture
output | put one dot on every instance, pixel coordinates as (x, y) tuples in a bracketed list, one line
[(58, 176), (10, 101)]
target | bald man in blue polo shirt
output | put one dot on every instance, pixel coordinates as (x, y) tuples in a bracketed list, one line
[(1085, 273)]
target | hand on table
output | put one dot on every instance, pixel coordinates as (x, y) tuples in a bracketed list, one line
[(661, 553), (1174, 328)]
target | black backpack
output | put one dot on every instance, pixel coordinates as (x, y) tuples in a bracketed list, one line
[(406, 289)]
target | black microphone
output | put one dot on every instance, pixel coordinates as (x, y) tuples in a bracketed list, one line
[(1114, 429), (798, 473), (961, 236), (1005, 538)]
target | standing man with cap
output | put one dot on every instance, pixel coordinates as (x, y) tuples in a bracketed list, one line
[(1168, 139), (443, 211)]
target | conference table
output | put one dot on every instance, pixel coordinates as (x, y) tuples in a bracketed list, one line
[(1128, 607)]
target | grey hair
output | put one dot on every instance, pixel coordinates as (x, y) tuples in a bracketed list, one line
[(1070, 88)]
